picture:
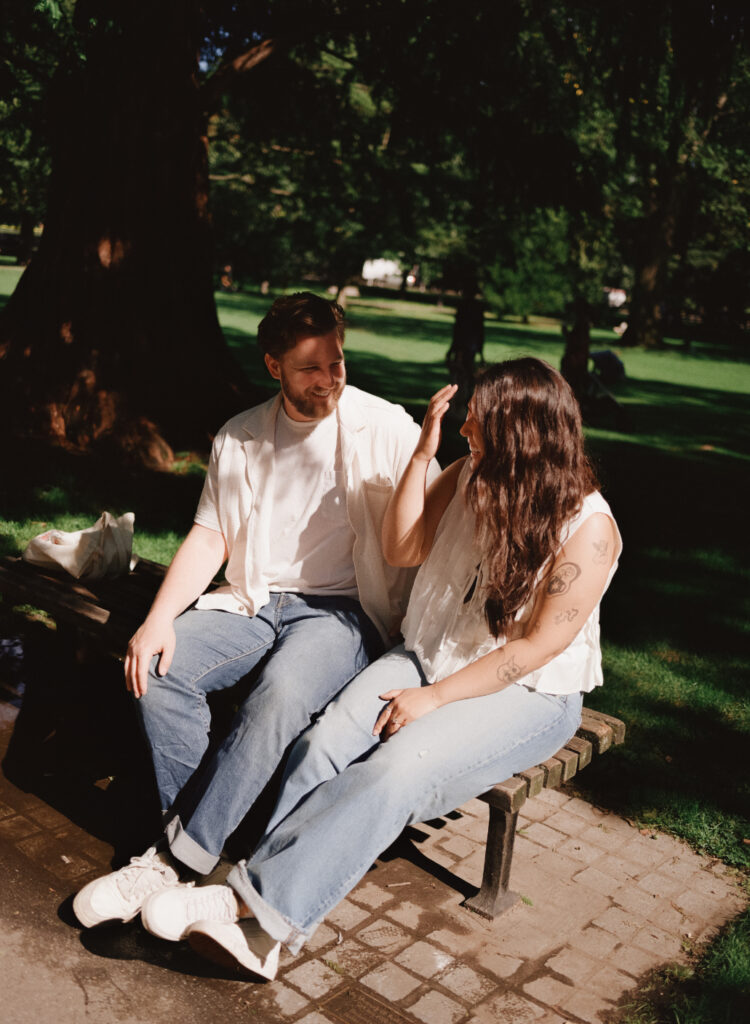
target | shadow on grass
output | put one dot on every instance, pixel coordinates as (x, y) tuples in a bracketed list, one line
[(729, 350), (391, 325), (680, 767), (679, 416)]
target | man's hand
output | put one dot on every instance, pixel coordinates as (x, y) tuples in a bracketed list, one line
[(429, 439), (404, 706), (155, 636)]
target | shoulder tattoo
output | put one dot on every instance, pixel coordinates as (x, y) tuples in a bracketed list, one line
[(601, 547)]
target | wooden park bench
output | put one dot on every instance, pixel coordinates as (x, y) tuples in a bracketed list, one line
[(102, 615)]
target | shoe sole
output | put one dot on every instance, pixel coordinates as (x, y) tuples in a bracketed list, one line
[(212, 950)]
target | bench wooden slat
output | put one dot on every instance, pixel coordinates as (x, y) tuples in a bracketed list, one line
[(617, 726), (583, 748), (48, 595), (535, 778), (107, 611), (598, 733), (569, 762), (508, 796), (552, 772)]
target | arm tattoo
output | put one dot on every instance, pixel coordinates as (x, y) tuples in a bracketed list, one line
[(561, 580), (510, 671), (601, 547), (566, 616)]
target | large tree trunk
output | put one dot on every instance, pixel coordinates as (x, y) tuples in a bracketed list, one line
[(645, 326), (112, 332)]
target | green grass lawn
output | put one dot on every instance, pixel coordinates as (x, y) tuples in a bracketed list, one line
[(675, 624)]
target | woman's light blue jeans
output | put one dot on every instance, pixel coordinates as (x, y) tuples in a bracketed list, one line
[(347, 796), (310, 647)]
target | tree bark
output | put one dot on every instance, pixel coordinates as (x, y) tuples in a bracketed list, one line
[(652, 253), (112, 332), (645, 326)]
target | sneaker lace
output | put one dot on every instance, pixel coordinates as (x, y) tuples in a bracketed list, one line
[(217, 905), (142, 875)]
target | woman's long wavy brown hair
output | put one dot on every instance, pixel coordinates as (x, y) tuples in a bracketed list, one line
[(532, 476)]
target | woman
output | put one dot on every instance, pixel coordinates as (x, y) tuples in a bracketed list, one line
[(501, 639)]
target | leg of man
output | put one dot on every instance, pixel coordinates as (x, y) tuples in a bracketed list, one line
[(315, 856), (321, 644), (317, 643), (215, 649)]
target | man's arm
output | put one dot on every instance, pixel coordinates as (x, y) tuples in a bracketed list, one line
[(198, 559)]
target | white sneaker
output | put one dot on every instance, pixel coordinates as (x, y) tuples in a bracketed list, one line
[(237, 946), (168, 914), (119, 896)]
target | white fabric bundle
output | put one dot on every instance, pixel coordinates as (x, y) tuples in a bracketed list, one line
[(103, 549)]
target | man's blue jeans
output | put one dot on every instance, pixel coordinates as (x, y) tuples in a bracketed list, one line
[(309, 647), (347, 796)]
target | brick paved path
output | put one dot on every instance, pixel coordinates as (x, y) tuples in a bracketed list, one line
[(602, 905)]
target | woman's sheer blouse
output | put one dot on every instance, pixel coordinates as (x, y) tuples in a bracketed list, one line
[(445, 624)]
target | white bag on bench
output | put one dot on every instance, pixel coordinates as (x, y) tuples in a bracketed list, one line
[(103, 549)]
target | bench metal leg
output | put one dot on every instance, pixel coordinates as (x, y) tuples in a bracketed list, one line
[(493, 897)]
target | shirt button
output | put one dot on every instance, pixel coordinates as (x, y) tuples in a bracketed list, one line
[(240, 607)]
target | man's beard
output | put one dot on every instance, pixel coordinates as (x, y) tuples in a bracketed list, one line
[(307, 404)]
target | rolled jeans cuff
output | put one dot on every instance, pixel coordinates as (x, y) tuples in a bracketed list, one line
[(269, 918), (186, 850)]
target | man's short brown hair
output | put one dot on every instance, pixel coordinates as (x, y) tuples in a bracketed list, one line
[(294, 316)]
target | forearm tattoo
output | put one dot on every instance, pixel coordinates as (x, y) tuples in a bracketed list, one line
[(508, 672), (601, 547), (561, 580), (566, 616)]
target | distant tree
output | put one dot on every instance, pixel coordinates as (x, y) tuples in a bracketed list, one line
[(532, 274), (663, 91)]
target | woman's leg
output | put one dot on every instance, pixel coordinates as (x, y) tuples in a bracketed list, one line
[(343, 733), (316, 855)]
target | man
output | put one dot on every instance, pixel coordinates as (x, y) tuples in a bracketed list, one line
[(293, 502)]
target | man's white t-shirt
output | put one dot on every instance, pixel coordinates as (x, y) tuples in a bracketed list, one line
[(311, 536)]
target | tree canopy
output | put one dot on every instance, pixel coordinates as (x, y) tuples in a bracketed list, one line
[(535, 152)]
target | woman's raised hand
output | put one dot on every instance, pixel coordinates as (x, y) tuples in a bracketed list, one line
[(429, 439)]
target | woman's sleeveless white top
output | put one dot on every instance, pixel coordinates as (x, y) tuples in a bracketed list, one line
[(445, 624)]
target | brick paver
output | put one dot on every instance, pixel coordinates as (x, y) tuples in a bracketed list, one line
[(604, 904), (424, 959), (390, 981), (435, 1008)]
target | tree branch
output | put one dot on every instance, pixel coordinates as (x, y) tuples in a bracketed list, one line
[(236, 66)]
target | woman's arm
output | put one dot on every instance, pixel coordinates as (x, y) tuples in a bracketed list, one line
[(414, 511), (569, 593)]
